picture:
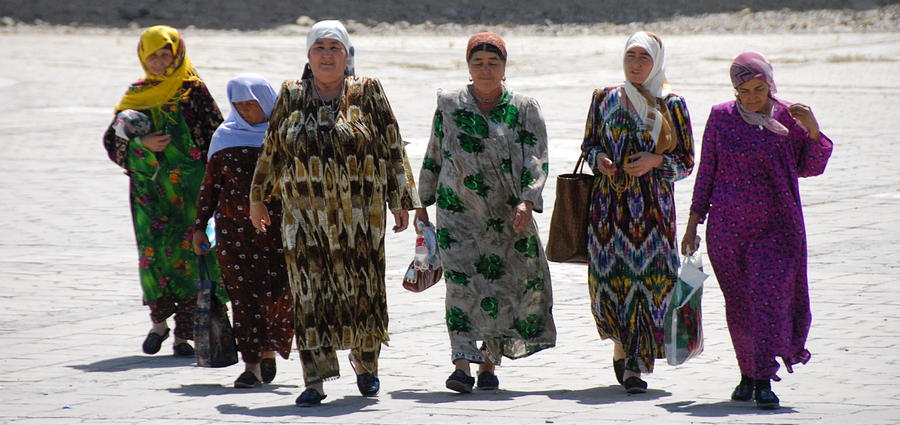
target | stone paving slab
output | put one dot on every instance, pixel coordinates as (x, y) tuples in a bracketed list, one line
[(71, 323)]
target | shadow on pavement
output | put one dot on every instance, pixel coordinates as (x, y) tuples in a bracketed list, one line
[(593, 396), (338, 407), (722, 409), (203, 390), (135, 362)]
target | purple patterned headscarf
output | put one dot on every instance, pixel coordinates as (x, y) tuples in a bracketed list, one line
[(753, 65)]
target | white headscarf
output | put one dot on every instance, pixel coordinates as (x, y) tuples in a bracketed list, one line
[(332, 29), (235, 131), (656, 83)]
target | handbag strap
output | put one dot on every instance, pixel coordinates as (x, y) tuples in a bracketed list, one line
[(579, 165), (204, 272)]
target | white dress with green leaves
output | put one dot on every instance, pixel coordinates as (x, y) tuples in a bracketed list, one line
[(477, 169)]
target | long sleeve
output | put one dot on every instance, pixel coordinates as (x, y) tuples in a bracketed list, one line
[(202, 116), (679, 163), (116, 147), (812, 154), (593, 131), (265, 184), (706, 176), (535, 165), (433, 161), (208, 199), (401, 187)]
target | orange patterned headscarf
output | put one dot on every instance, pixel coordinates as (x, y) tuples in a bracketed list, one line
[(485, 39)]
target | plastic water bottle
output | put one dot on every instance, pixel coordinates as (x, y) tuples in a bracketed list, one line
[(421, 259)]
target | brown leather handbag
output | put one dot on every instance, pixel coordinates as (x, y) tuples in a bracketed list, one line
[(568, 241)]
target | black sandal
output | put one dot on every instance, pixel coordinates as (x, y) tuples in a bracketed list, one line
[(310, 397), (247, 380), (635, 385), (154, 341), (267, 369)]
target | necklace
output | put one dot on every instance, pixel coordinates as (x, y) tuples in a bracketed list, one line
[(327, 115), (480, 100)]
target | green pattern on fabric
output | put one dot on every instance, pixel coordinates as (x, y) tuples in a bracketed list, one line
[(447, 154), (456, 277), (438, 124), (535, 284), (528, 246), (527, 178), (449, 200), (458, 320), (476, 183), (506, 166), (490, 266), (494, 224), (526, 137), (512, 200), (491, 306), (531, 327), (545, 167), (444, 240), (505, 114), (431, 165), (470, 122), (470, 144)]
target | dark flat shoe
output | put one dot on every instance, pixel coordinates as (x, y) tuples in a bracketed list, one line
[(247, 380), (183, 350), (310, 397), (153, 342), (488, 381), (766, 399), (368, 384), (267, 369), (635, 385), (460, 382), (744, 390), (619, 369)]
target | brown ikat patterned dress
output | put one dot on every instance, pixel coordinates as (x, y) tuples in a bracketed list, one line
[(335, 172)]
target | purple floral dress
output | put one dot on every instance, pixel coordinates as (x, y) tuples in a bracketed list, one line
[(756, 238)]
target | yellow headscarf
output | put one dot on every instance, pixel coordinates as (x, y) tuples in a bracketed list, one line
[(157, 90)]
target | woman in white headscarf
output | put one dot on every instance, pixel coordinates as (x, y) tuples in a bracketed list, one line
[(638, 142), (334, 157), (252, 262)]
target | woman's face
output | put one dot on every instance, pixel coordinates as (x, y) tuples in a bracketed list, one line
[(250, 111), (159, 60), (638, 65), (487, 70), (328, 59), (754, 95)]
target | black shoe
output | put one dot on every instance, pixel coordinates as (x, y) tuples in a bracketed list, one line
[(153, 342), (183, 350), (765, 398), (619, 369), (310, 397), (368, 384), (635, 385), (247, 380), (460, 382), (744, 390), (488, 381), (267, 369)]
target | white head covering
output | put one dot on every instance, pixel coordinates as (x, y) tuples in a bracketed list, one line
[(332, 29), (235, 131), (656, 83)]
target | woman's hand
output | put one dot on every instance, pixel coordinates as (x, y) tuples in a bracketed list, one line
[(521, 216), (605, 165), (804, 115), (689, 242), (259, 216), (200, 242), (641, 163), (156, 141), (401, 220)]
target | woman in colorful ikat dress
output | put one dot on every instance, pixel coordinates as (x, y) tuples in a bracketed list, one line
[(638, 142), (754, 149), (252, 262), (160, 136), (485, 168), (334, 157)]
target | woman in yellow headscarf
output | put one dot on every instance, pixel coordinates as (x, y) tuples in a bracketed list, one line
[(160, 135)]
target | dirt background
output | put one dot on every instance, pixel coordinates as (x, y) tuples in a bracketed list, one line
[(818, 15)]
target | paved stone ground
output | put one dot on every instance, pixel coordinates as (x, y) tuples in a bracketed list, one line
[(71, 322)]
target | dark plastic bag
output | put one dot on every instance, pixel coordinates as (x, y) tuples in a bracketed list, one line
[(214, 342)]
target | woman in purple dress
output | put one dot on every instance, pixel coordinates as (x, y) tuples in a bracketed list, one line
[(754, 150)]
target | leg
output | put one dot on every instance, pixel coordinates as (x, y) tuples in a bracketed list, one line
[(184, 326), (160, 310), (365, 362)]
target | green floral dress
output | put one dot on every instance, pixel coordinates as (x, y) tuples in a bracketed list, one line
[(477, 169), (164, 189)]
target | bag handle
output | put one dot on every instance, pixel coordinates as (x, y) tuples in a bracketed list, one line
[(204, 272), (579, 165)]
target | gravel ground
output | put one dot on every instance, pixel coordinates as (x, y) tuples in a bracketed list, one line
[(562, 17)]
